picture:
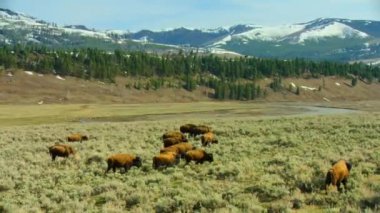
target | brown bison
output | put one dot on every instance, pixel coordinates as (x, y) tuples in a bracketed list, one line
[(180, 148), (173, 134), (77, 137), (61, 150), (208, 138), (125, 161), (170, 149), (338, 173), (172, 141), (165, 159), (187, 128), (199, 156), (199, 130), (183, 148)]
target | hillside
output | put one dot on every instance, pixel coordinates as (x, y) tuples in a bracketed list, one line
[(32, 88)]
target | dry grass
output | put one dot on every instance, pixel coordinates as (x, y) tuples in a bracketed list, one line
[(26, 89), (259, 164), (13, 115)]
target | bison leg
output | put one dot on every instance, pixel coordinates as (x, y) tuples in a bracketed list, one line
[(344, 181), (53, 157), (338, 186), (108, 169), (187, 159), (156, 165), (126, 168)]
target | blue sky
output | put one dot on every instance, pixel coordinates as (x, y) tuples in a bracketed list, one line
[(135, 15)]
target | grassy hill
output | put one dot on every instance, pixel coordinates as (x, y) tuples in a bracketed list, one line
[(24, 88)]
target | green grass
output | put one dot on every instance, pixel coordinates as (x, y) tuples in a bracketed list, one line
[(11, 115), (259, 164), (15, 115)]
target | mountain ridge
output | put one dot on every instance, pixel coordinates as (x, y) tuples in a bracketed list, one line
[(322, 38)]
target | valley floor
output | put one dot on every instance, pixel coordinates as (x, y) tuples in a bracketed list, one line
[(272, 154), (273, 157)]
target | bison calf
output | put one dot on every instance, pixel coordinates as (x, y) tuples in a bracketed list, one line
[(77, 137), (199, 156), (61, 150), (338, 173), (125, 161), (208, 138)]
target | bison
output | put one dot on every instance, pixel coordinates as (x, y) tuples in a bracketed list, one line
[(61, 150), (77, 137), (173, 134), (165, 159), (199, 130), (180, 148), (208, 138), (199, 156), (183, 148), (338, 173), (125, 161), (172, 141), (187, 128), (173, 148)]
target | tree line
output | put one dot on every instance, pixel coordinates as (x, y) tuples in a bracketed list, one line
[(224, 74)]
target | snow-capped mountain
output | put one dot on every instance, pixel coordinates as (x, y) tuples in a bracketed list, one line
[(320, 29), (324, 38), (18, 28)]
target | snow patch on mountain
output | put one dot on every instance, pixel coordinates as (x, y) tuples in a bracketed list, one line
[(334, 29), (8, 18), (271, 33), (223, 51), (223, 41), (87, 33), (117, 32), (216, 30)]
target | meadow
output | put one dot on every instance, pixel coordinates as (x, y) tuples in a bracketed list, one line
[(261, 164)]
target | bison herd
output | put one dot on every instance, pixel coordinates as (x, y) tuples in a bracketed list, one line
[(176, 146)]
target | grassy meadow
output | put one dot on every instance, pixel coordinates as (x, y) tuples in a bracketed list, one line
[(260, 165)]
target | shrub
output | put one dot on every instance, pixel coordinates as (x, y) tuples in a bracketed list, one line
[(132, 201), (354, 81)]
